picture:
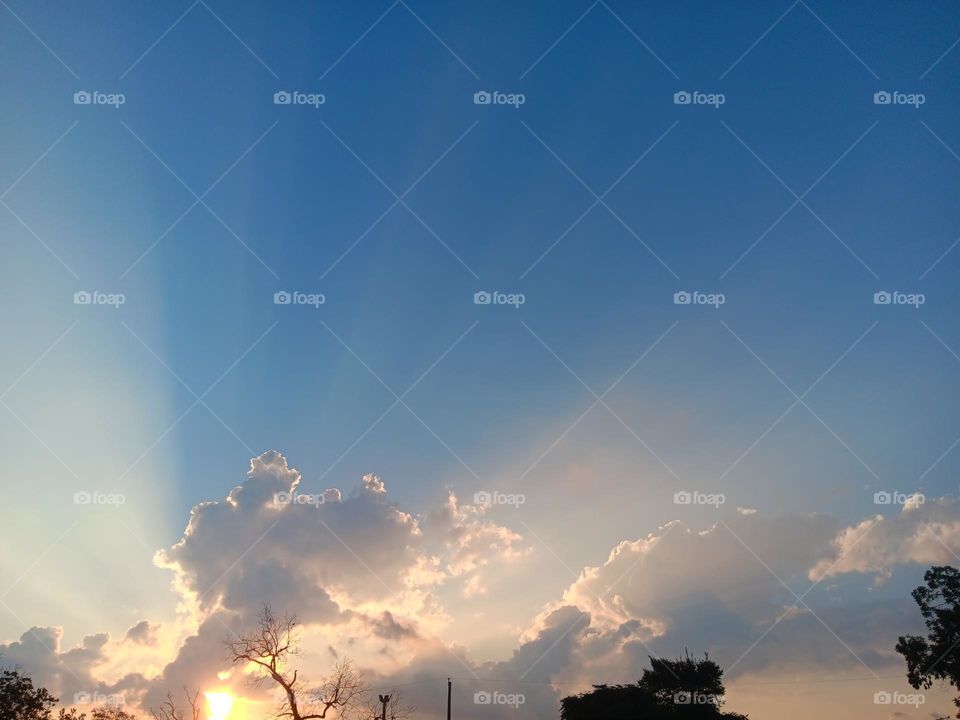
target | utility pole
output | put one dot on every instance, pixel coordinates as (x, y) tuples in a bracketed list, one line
[(449, 684), (384, 699)]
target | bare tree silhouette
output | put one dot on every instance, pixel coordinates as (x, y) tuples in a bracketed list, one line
[(270, 647), (169, 710)]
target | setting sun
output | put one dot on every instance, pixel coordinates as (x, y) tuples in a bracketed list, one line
[(219, 705)]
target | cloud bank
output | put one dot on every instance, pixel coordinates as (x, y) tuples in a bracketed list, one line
[(373, 582)]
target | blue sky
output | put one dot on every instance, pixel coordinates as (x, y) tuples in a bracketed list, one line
[(503, 186)]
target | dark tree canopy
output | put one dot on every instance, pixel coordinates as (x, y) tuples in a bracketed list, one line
[(111, 712), (701, 681), (611, 702), (687, 687), (937, 656), (20, 700)]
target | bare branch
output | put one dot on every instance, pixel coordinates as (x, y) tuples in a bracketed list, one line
[(269, 649), (169, 710)]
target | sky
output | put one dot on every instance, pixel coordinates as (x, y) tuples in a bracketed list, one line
[(152, 168)]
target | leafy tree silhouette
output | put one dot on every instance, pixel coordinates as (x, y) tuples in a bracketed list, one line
[(685, 680), (936, 657), (111, 712), (686, 687), (21, 700), (611, 702)]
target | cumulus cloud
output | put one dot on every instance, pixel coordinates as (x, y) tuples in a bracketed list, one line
[(350, 563), (356, 548), (732, 589), (469, 540), (665, 579), (922, 533), (66, 673)]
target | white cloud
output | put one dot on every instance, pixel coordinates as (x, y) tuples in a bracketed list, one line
[(66, 672), (353, 564), (727, 587), (922, 533)]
